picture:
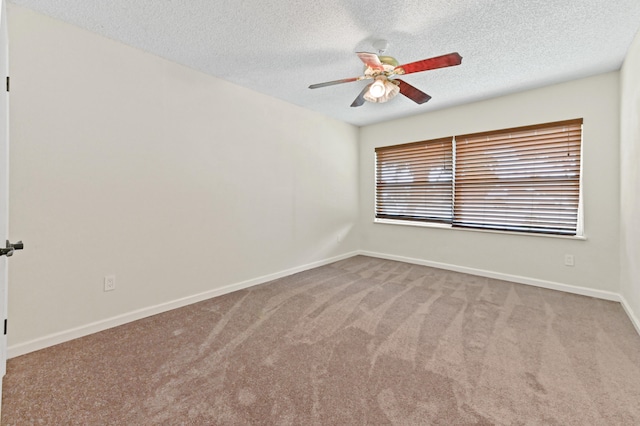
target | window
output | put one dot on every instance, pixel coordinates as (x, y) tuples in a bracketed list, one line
[(525, 179), (414, 181)]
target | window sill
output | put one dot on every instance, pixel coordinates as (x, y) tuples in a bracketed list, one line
[(490, 231)]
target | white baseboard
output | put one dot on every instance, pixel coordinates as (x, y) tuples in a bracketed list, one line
[(599, 294), (84, 330), (632, 316)]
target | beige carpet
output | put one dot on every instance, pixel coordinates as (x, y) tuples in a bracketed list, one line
[(361, 341)]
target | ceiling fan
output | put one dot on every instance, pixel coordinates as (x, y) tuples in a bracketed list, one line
[(382, 69)]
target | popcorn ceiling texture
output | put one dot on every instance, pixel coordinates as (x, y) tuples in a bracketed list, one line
[(360, 341), (280, 47)]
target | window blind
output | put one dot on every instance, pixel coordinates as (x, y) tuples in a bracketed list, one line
[(525, 179), (414, 181)]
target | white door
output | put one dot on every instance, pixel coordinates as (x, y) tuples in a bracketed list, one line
[(4, 184)]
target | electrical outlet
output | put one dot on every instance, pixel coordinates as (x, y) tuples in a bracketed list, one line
[(109, 283), (569, 260)]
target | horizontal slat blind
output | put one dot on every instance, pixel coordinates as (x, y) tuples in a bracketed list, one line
[(414, 181), (525, 179)]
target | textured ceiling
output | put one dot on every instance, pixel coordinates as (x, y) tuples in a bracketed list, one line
[(280, 47)]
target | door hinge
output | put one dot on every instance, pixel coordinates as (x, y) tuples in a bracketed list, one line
[(5, 327), (7, 83)]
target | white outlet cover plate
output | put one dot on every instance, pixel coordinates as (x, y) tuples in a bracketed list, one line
[(109, 283)]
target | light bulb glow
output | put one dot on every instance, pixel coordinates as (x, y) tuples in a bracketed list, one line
[(377, 89)]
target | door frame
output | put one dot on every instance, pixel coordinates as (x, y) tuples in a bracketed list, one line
[(4, 183)]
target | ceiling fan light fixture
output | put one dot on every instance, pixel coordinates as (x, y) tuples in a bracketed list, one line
[(377, 89), (385, 86), (392, 89)]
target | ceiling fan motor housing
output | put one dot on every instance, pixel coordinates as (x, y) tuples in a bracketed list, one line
[(389, 60)]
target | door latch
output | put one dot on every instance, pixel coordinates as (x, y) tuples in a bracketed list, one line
[(11, 248)]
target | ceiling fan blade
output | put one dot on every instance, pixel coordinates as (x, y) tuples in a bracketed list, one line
[(430, 64), (416, 95), (331, 83), (371, 60), (360, 99)]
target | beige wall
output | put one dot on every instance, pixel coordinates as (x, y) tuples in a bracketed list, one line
[(630, 181), (176, 182), (596, 99)]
